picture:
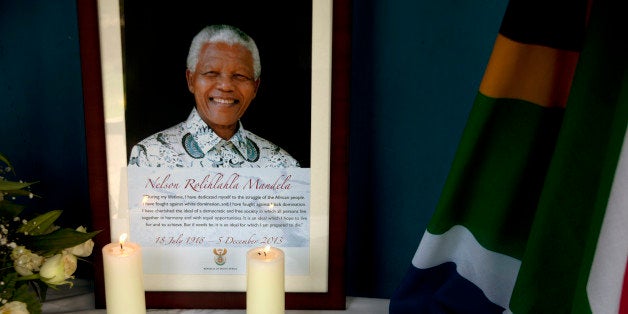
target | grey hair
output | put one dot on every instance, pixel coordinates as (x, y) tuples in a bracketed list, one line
[(227, 34)]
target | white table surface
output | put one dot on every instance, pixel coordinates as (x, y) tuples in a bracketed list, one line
[(80, 300)]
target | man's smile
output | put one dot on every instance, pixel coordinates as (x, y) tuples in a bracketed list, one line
[(224, 101)]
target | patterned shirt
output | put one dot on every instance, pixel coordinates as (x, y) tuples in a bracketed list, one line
[(192, 143)]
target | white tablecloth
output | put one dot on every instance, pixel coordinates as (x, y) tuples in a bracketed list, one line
[(80, 300)]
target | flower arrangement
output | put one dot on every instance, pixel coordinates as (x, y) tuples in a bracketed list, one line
[(35, 254)]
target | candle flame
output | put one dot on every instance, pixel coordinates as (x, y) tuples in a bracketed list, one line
[(264, 251), (123, 238)]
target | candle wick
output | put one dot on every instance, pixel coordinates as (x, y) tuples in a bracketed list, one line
[(121, 247)]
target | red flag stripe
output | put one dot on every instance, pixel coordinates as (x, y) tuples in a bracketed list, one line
[(623, 306)]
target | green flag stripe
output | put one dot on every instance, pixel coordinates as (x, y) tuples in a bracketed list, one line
[(495, 180), (563, 238)]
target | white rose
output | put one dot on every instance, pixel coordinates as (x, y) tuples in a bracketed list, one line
[(58, 268), (84, 249), (14, 307)]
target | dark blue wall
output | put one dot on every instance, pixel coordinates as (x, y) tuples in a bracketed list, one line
[(417, 66), (41, 103), (416, 69)]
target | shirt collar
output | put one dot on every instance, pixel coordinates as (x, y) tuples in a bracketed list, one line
[(207, 139)]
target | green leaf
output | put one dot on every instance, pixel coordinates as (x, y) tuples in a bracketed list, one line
[(14, 290), (56, 241), (12, 185), (20, 193), (23, 294), (9, 210), (5, 160), (41, 223)]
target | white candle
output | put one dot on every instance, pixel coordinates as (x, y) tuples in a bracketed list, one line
[(265, 281), (124, 278)]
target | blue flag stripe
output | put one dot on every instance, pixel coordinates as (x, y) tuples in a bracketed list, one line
[(493, 273), (440, 289)]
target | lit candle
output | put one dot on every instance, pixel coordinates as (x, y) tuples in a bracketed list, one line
[(124, 278), (265, 281)]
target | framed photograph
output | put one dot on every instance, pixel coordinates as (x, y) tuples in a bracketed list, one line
[(195, 221)]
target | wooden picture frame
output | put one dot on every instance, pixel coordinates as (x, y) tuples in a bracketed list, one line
[(99, 179)]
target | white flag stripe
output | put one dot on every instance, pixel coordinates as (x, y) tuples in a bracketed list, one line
[(609, 263), (494, 273)]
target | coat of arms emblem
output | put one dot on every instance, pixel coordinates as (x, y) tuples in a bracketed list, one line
[(220, 258)]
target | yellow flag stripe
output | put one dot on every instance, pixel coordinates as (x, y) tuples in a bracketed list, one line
[(534, 73)]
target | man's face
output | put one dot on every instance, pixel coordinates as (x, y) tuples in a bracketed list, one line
[(223, 84)]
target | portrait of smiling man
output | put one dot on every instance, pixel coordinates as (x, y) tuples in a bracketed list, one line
[(223, 73)]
